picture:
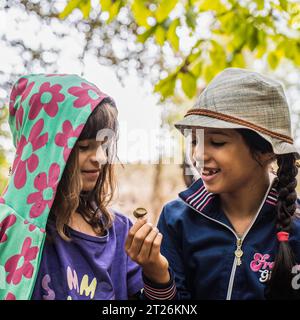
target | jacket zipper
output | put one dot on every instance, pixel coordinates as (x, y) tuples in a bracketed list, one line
[(239, 241)]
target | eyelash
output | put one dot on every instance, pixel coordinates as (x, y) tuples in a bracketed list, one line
[(218, 144), (82, 148)]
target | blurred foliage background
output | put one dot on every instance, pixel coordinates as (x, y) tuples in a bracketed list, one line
[(175, 45)]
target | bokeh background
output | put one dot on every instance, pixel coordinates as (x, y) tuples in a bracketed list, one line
[(154, 58)]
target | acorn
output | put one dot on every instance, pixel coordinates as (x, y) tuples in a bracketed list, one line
[(139, 212)]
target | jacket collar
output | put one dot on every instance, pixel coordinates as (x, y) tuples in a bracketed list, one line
[(207, 203)]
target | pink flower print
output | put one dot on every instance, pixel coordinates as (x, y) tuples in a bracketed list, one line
[(19, 265), (46, 187), (2, 200), (10, 296), (64, 138), (86, 94), (25, 156), (19, 117), (4, 225), (31, 227), (20, 89), (48, 98)]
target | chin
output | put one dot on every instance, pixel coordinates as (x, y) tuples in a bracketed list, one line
[(213, 189), (88, 188)]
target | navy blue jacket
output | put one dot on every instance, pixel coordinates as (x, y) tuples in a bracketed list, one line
[(200, 244)]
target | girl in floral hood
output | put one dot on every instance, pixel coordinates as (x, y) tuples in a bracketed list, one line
[(58, 239)]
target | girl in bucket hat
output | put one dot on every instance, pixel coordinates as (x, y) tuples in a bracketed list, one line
[(234, 233), (58, 237)]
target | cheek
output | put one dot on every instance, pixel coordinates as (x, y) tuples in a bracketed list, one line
[(81, 159)]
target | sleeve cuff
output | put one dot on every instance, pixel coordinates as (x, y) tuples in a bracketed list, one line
[(158, 291)]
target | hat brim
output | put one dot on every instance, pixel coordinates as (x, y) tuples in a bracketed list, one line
[(279, 146)]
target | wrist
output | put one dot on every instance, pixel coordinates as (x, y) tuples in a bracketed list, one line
[(159, 276)]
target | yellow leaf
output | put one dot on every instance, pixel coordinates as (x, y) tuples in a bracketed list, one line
[(166, 86), (164, 8), (71, 5), (283, 4), (215, 5), (147, 34), (260, 4), (172, 36), (188, 84), (105, 5), (85, 8), (196, 69), (273, 60), (238, 61), (114, 10), (140, 13), (160, 35)]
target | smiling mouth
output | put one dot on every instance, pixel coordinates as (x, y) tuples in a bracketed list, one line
[(209, 172)]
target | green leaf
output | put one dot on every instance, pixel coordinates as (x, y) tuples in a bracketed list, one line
[(260, 4), (217, 54), (160, 35), (71, 5), (191, 17), (166, 86), (238, 61), (140, 13), (215, 5), (172, 36), (252, 37), (283, 4), (273, 60), (164, 8), (188, 84), (209, 71), (196, 69)]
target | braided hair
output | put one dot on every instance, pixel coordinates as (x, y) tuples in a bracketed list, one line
[(280, 284)]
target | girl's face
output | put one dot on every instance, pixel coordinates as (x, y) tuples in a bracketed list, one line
[(226, 164), (91, 156)]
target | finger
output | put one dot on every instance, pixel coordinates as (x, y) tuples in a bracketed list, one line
[(139, 238), (155, 249), (139, 223), (147, 244)]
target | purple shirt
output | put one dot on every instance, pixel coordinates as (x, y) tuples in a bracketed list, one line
[(88, 267)]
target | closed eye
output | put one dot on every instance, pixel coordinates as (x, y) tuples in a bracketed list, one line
[(82, 148), (218, 144)]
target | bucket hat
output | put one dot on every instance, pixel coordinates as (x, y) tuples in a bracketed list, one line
[(243, 99)]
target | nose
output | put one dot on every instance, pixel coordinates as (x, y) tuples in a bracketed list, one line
[(200, 155), (99, 155)]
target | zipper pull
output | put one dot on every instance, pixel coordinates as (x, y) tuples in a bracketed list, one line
[(239, 252)]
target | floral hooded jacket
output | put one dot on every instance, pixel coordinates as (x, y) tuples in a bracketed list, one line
[(46, 116)]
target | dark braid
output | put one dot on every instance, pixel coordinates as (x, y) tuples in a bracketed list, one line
[(280, 284)]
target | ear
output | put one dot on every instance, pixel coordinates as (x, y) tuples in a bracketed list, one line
[(267, 158)]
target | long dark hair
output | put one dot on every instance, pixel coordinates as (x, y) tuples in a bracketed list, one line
[(280, 284), (91, 205)]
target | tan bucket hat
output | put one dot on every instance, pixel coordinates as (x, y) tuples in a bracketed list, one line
[(239, 98)]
